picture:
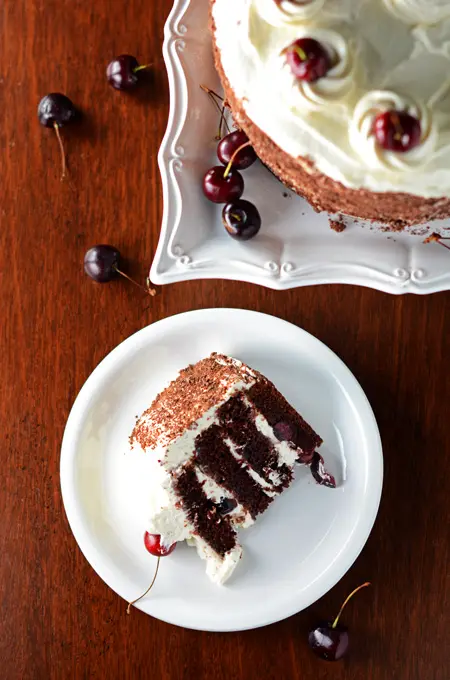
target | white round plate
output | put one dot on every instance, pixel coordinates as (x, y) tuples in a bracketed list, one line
[(302, 545)]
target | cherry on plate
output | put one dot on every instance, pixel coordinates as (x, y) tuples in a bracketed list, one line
[(241, 219), (155, 547), (235, 148), (220, 187), (158, 549)]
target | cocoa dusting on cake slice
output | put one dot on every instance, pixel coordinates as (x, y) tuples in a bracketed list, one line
[(197, 389), (215, 459), (214, 528), (237, 419), (287, 424)]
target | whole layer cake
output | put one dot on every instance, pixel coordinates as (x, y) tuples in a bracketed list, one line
[(346, 101), (222, 445)]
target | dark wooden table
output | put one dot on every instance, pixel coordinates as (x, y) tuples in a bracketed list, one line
[(58, 619)]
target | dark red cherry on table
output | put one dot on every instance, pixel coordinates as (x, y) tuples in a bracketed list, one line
[(329, 639), (154, 546), (308, 59), (101, 263), (241, 219), (56, 109), (329, 643), (397, 131), (222, 187), (123, 72), (228, 150)]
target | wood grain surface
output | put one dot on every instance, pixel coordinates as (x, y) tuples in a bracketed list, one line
[(58, 619)]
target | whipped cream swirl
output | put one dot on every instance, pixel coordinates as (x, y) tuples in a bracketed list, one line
[(332, 87), (419, 11), (363, 139), (279, 12)]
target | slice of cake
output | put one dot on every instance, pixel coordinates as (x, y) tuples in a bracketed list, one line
[(223, 443)]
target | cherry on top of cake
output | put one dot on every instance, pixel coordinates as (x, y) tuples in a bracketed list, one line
[(309, 60), (328, 62)]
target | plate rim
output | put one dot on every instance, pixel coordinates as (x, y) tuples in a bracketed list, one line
[(69, 452), (405, 279)]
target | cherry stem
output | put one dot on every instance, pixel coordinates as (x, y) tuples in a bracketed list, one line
[(232, 159), (435, 238), (222, 120), (147, 289), (395, 120), (300, 53), (63, 153), (336, 620), (214, 97), (444, 245), (130, 604), (141, 68), (211, 92)]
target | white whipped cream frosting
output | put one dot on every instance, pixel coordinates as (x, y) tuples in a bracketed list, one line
[(419, 11), (386, 54)]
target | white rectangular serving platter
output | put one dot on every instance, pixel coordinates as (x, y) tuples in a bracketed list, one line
[(295, 246)]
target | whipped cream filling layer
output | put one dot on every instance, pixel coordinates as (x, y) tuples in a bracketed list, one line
[(386, 53)]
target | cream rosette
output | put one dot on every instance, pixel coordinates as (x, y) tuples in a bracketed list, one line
[(332, 88), (364, 143)]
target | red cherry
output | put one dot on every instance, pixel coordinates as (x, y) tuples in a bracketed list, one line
[(308, 59), (241, 219), (154, 546), (397, 131), (220, 189), (327, 642), (229, 145), (328, 639)]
